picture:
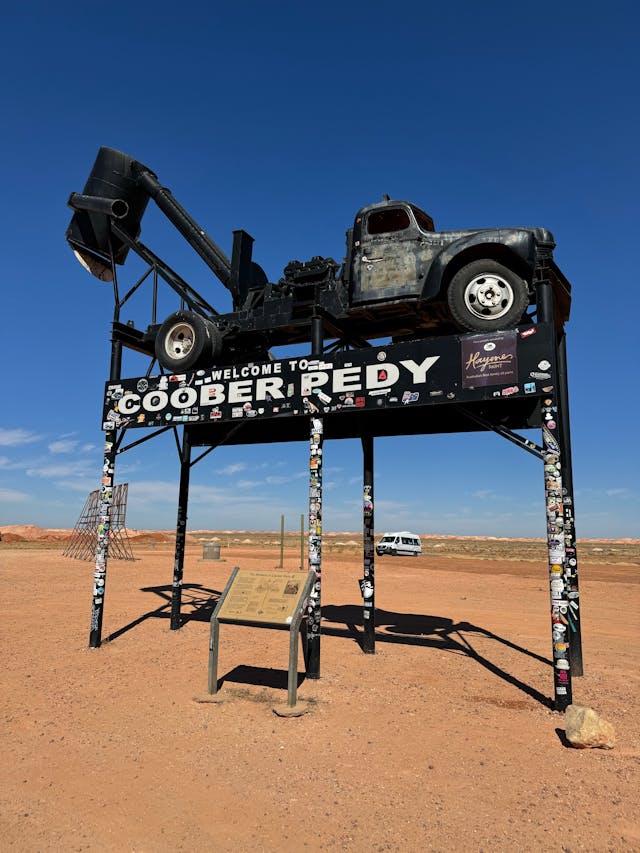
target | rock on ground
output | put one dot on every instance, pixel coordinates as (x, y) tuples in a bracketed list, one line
[(586, 729)]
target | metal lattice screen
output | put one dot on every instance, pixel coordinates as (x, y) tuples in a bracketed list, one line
[(82, 545)]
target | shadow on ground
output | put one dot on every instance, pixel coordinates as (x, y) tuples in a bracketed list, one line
[(198, 604)]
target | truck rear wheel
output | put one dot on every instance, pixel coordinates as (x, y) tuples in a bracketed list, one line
[(485, 296), (186, 340)]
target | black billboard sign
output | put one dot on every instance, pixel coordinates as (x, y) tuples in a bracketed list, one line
[(413, 373)]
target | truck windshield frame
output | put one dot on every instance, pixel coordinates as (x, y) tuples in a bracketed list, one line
[(388, 221)]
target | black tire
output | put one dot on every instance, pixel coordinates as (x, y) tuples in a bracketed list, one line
[(186, 340), (393, 552), (485, 296)]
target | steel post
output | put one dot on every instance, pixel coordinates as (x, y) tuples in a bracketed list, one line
[(563, 606), (314, 607), (181, 531), (292, 679), (102, 544), (214, 643), (281, 541), (563, 420), (368, 581)]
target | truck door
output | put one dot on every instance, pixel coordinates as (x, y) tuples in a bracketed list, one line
[(385, 264)]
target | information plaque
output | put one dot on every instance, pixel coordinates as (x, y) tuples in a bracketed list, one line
[(263, 597)]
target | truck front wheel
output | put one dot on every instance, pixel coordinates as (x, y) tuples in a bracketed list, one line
[(186, 340), (485, 296)]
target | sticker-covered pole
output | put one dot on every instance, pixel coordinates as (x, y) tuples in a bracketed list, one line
[(575, 647), (181, 531), (561, 609), (314, 607), (102, 543), (367, 584)]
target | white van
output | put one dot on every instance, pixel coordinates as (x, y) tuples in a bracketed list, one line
[(402, 542)]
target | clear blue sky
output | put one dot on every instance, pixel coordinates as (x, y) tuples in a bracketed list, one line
[(284, 119)]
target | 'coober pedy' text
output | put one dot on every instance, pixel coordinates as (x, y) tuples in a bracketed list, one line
[(277, 387)]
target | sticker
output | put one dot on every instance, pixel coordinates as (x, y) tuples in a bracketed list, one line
[(550, 441)]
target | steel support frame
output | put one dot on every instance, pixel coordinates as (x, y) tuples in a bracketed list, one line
[(559, 501)]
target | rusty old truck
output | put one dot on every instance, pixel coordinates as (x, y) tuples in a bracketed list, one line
[(400, 278)]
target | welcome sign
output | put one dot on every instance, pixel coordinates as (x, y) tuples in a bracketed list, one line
[(414, 373)]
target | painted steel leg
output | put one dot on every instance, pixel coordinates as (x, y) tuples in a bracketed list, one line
[(181, 531), (575, 646), (368, 582), (563, 607), (314, 608), (292, 681), (102, 544), (559, 579), (214, 642)]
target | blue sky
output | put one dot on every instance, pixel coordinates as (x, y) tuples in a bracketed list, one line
[(284, 119)]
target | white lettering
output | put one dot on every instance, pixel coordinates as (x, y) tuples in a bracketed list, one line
[(270, 386), (312, 380), (183, 397), (347, 379), (240, 392), (419, 371), (212, 395), (155, 401), (129, 404)]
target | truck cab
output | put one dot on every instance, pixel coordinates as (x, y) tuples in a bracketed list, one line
[(391, 250)]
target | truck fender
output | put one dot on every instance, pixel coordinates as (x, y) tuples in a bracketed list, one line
[(515, 248)]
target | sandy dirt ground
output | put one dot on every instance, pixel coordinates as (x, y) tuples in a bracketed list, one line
[(443, 740)]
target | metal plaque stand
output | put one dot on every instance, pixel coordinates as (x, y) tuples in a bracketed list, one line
[(294, 632)]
